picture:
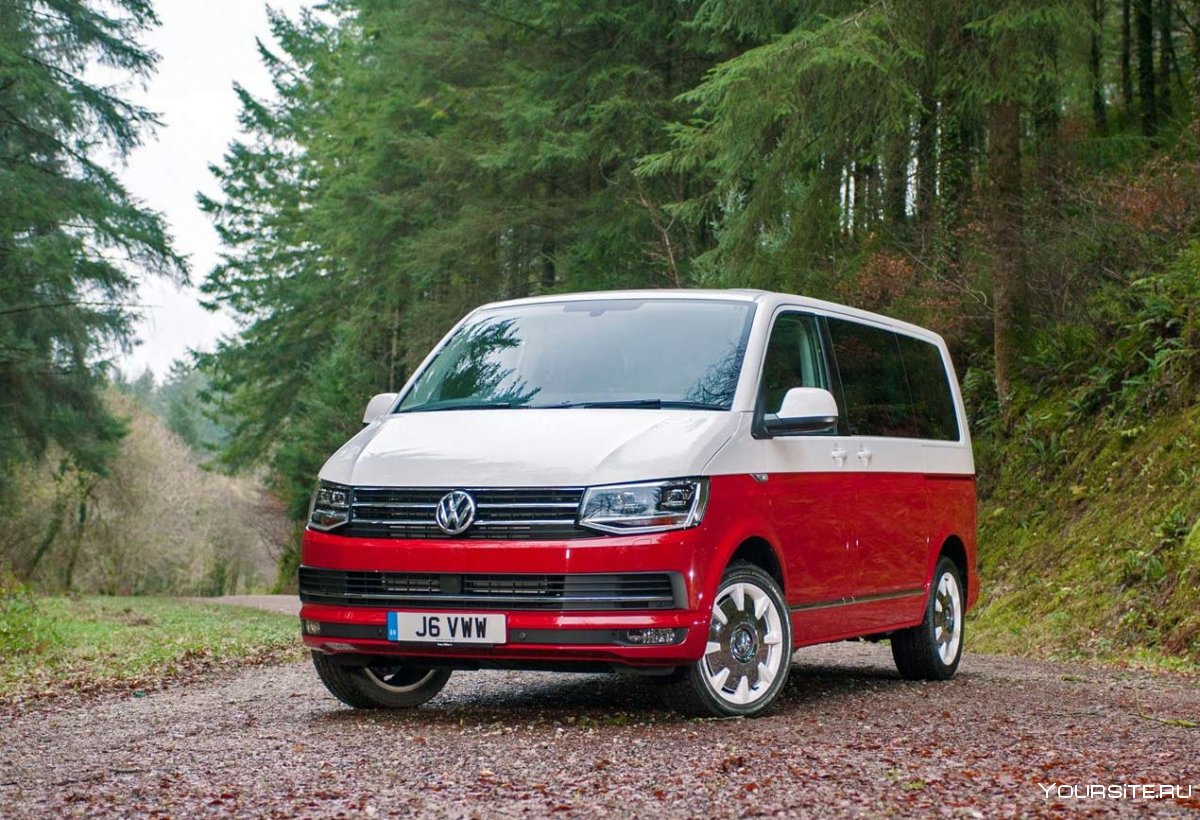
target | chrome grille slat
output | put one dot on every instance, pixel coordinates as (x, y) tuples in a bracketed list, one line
[(548, 505), (510, 513)]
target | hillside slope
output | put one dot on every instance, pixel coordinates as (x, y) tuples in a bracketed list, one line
[(1090, 538)]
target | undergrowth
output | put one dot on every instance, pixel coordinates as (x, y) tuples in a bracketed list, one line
[(1089, 525)]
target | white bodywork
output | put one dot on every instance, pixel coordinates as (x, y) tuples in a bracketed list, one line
[(530, 448), (581, 447)]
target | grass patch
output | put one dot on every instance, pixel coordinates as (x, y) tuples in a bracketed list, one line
[(1090, 548), (55, 646)]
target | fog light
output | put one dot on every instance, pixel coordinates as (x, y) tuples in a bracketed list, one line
[(312, 627), (649, 637)]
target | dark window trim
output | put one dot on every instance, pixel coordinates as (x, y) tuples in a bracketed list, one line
[(757, 427), (835, 375)]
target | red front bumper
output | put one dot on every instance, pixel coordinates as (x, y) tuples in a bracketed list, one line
[(362, 629)]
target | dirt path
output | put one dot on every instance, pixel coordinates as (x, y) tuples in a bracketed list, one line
[(286, 604), (848, 738)]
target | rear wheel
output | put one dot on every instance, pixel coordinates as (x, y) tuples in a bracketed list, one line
[(381, 685), (749, 650), (932, 650)]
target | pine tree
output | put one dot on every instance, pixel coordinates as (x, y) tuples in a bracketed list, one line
[(72, 240)]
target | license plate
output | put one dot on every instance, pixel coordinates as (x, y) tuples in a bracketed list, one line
[(442, 627)]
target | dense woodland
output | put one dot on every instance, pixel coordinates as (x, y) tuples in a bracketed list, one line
[(988, 169), (1022, 176)]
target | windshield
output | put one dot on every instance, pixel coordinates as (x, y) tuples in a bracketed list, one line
[(647, 353)]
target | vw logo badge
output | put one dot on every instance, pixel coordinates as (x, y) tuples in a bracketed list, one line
[(455, 512)]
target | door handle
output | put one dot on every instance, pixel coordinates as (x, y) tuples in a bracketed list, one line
[(864, 455), (839, 456)]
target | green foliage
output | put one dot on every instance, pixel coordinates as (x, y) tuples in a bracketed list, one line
[(1139, 354), (69, 233), (24, 628), (180, 402), (86, 644), (424, 157)]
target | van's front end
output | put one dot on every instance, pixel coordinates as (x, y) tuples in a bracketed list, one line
[(528, 582), (534, 498)]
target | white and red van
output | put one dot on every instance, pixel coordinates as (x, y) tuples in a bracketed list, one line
[(683, 484)]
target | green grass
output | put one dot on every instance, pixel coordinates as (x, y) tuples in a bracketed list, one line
[(1089, 541), (52, 646)]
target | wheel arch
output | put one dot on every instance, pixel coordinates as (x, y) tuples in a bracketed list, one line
[(758, 551), (954, 549)]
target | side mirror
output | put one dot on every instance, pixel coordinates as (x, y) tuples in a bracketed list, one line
[(378, 405), (804, 410)]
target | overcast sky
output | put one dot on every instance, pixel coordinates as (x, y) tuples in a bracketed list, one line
[(204, 45)]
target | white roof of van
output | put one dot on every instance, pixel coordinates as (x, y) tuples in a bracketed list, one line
[(768, 299)]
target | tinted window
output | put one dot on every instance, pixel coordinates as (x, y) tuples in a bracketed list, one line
[(793, 359), (873, 385), (648, 352), (929, 384)]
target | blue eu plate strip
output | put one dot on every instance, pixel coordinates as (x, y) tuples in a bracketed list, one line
[(393, 627)]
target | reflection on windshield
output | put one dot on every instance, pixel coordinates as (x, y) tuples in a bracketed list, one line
[(636, 353), (479, 374)]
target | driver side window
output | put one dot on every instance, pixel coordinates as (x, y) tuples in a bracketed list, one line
[(793, 359)]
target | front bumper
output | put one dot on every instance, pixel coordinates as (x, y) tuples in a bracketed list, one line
[(551, 633)]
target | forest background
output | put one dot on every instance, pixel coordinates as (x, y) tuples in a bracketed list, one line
[(1021, 176)]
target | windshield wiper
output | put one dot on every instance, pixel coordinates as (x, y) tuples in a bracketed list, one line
[(433, 406), (650, 404)]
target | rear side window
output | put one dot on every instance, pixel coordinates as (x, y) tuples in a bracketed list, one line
[(873, 385), (929, 384)]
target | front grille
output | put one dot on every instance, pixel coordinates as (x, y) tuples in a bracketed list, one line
[(507, 514), (635, 590)]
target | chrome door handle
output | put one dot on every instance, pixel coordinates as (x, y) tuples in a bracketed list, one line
[(839, 455), (864, 455)]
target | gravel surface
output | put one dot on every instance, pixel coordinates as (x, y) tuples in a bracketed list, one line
[(848, 738)]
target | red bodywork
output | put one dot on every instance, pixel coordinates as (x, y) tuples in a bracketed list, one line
[(856, 552)]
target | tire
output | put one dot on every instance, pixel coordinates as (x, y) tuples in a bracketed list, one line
[(380, 686), (932, 650), (749, 650)]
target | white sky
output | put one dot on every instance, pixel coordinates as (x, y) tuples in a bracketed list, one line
[(204, 46)]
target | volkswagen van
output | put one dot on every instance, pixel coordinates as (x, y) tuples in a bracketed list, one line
[(687, 485)]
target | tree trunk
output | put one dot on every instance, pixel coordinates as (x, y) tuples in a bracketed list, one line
[(1095, 62), (549, 274), (1164, 58), (1144, 25), (1196, 79), (926, 156), (1126, 60), (394, 353), (956, 172), (1005, 225), (76, 541), (1046, 119), (895, 195)]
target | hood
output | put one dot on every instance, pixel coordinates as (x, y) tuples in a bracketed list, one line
[(530, 447)]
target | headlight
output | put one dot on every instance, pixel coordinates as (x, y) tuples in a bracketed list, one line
[(330, 506), (650, 507)]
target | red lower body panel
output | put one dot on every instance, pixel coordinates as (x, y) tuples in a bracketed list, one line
[(678, 553), (833, 587)]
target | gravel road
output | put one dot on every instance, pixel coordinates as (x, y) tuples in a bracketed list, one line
[(848, 738)]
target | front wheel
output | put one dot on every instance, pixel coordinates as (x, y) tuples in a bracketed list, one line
[(382, 685), (932, 650), (749, 650)]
